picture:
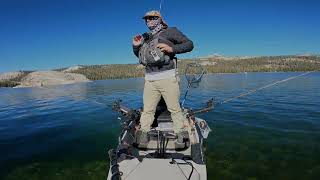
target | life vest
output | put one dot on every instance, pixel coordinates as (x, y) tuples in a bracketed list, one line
[(149, 54)]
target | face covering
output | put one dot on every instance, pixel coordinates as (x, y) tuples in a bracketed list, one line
[(154, 25)]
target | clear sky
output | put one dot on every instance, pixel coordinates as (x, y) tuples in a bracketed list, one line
[(47, 34)]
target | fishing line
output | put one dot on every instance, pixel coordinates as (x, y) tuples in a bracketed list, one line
[(264, 87)]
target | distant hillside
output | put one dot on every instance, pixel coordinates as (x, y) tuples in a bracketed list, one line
[(213, 64)]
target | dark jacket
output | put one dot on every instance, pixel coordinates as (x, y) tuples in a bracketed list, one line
[(175, 39)]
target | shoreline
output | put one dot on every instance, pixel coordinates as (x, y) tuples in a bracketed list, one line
[(128, 78), (212, 65)]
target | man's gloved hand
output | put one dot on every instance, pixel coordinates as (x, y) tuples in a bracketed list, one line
[(165, 48), (137, 40)]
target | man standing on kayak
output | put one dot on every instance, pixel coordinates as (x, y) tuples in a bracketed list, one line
[(156, 50)]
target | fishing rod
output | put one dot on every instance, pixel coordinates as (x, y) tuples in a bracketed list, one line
[(160, 5), (261, 88), (194, 80), (197, 79), (194, 73)]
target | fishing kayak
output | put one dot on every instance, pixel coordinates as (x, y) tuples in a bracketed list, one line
[(162, 158)]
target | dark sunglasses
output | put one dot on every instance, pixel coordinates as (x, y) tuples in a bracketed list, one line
[(151, 18)]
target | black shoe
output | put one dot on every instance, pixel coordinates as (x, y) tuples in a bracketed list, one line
[(142, 139)]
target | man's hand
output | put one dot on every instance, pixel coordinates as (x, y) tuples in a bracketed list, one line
[(165, 48), (137, 40)]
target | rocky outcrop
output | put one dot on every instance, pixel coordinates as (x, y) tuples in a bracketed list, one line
[(10, 75), (49, 78), (73, 68)]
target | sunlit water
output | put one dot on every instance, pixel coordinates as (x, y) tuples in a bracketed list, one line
[(64, 132)]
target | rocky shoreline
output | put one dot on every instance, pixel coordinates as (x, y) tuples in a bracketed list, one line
[(40, 79)]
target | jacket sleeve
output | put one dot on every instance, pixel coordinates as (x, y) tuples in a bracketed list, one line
[(182, 43), (136, 50)]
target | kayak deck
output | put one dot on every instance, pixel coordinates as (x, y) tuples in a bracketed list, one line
[(160, 169)]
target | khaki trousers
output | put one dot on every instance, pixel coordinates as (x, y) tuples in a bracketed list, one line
[(169, 89)]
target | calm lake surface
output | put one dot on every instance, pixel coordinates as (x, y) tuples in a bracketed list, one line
[(64, 132)]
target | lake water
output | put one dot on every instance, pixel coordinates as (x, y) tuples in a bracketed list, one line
[(64, 132)]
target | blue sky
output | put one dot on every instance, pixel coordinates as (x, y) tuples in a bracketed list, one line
[(47, 34)]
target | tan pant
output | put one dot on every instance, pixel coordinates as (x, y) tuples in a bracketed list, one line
[(169, 89)]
